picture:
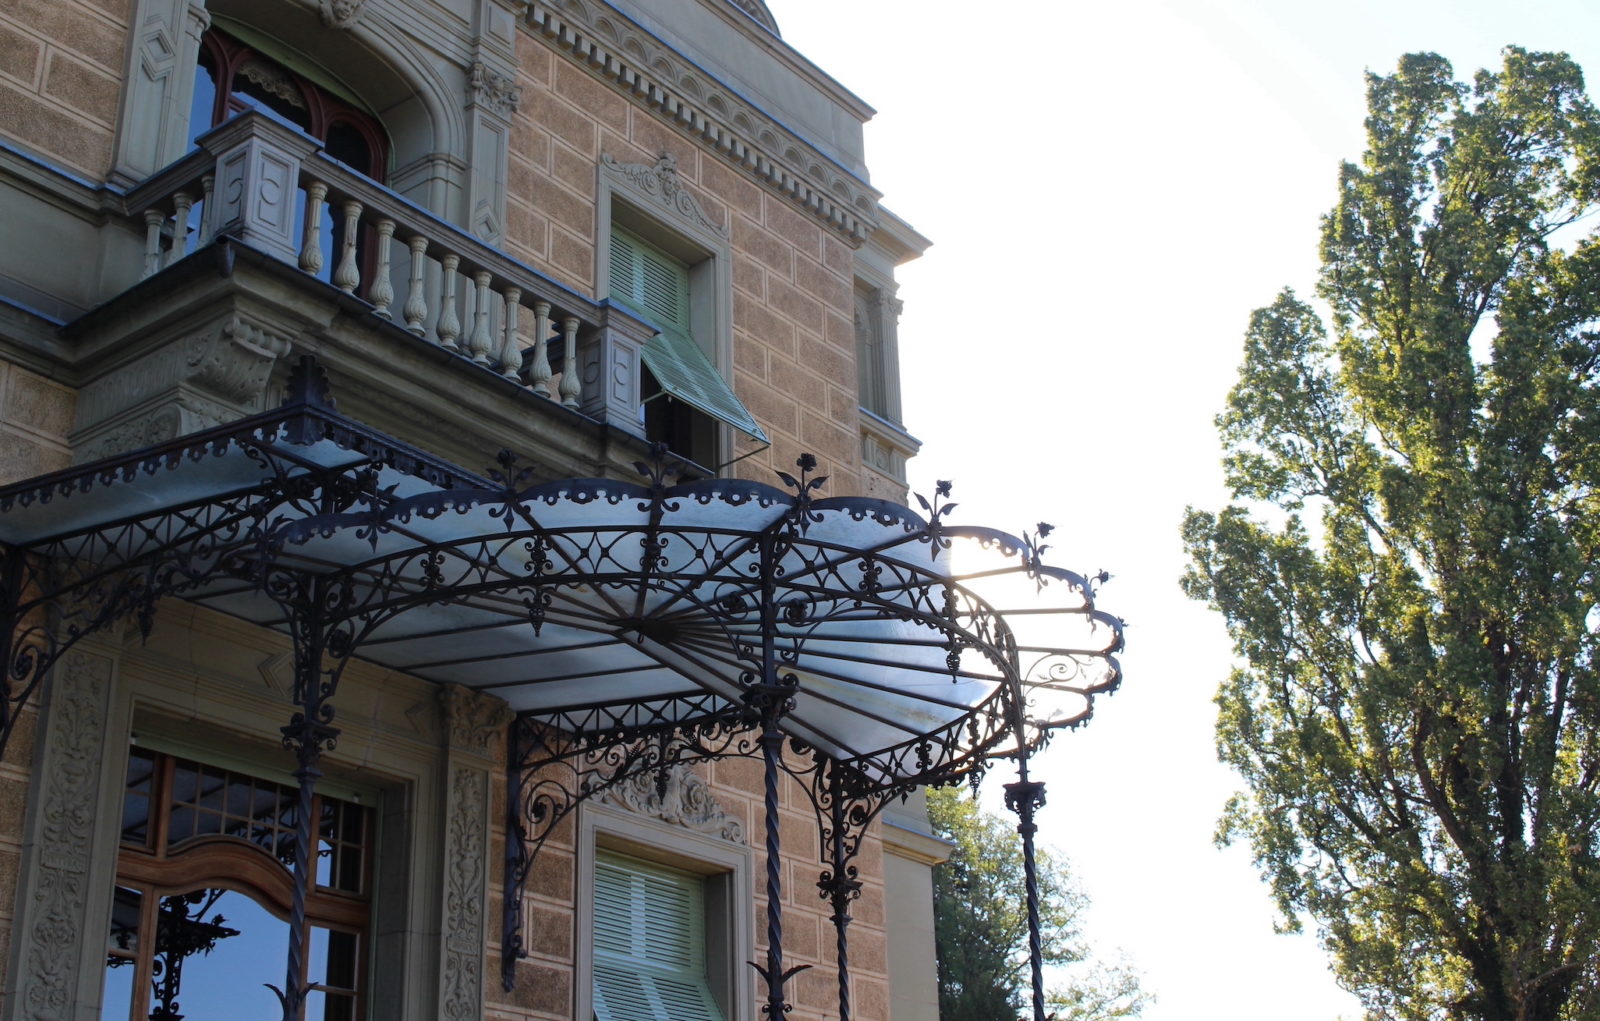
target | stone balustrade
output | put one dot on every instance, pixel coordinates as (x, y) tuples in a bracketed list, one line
[(268, 185)]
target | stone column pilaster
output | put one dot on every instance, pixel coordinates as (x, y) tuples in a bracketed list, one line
[(57, 960), (475, 731)]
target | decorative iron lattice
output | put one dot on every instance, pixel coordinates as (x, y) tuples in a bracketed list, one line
[(632, 626)]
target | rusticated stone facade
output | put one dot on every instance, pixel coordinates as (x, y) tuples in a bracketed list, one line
[(519, 133)]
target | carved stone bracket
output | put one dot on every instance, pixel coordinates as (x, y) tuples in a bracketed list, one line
[(188, 383), (497, 91), (660, 181), (685, 801), (474, 722)]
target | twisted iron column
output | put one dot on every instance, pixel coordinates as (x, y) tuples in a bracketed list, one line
[(307, 734), (768, 700), (840, 884), (771, 701), (1024, 797)]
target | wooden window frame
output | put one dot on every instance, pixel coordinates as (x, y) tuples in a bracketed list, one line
[(156, 871)]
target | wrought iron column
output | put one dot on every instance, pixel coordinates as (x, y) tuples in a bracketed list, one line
[(769, 699), (308, 734), (519, 739), (1024, 797), (841, 883), (20, 673)]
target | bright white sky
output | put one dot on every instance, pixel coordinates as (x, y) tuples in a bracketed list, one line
[(1111, 188)]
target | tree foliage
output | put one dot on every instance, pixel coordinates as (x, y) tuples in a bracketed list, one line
[(1409, 568), (981, 927)]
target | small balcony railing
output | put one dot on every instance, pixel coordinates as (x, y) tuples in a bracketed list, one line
[(270, 186)]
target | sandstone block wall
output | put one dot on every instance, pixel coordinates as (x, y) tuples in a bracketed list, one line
[(793, 312), (61, 66)]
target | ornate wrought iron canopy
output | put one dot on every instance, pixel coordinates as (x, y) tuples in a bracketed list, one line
[(631, 625)]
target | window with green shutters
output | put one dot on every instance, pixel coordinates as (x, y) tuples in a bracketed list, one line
[(650, 280), (649, 943), (683, 382)]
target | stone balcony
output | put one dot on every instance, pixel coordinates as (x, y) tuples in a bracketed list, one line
[(257, 244)]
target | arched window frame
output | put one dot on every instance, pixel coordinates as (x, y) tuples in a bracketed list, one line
[(230, 59), (154, 863)]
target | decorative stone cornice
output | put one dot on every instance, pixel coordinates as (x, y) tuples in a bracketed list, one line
[(660, 181), (885, 447), (641, 65), (758, 10), (685, 801), (494, 90)]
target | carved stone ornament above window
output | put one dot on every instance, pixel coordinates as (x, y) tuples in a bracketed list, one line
[(340, 13), (475, 720), (660, 181), (686, 801), (497, 91)]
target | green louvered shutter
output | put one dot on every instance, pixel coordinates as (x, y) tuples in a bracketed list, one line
[(649, 943), (650, 280), (653, 282)]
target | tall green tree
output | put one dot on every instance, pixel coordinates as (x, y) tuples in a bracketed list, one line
[(1409, 566), (981, 927)]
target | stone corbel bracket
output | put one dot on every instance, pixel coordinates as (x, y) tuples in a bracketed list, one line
[(657, 76), (214, 375), (498, 92)]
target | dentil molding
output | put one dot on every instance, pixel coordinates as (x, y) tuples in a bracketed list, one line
[(659, 77)]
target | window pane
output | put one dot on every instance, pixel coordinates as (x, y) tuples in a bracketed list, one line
[(333, 958), (124, 936), (136, 800), (203, 107), (117, 1000), (215, 950), (349, 146), (326, 1006)]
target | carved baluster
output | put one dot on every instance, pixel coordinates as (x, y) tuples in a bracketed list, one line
[(348, 274), (539, 370), (207, 187), (449, 327), (571, 387), (511, 352), (311, 236), (481, 344), (416, 301), (382, 290), (153, 219), (182, 203)]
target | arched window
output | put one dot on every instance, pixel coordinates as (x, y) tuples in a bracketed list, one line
[(205, 878), (232, 76)]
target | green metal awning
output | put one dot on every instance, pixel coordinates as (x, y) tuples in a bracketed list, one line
[(684, 372)]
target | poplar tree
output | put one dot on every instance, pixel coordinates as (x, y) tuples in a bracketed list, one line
[(1408, 568), (981, 928)]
